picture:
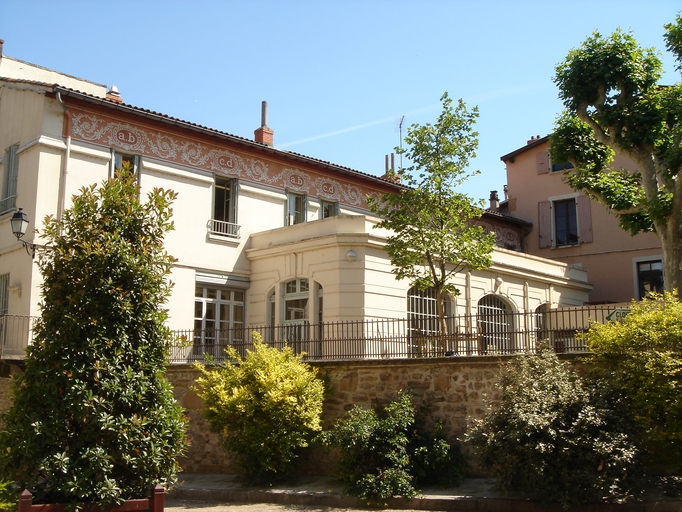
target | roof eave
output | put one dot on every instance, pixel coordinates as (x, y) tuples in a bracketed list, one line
[(530, 145), (130, 109)]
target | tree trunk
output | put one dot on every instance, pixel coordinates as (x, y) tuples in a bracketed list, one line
[(671, 245), (440, 309)]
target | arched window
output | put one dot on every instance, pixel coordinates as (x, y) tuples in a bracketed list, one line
[(422, 315), (296, 313), (541, 322), (495, 324), (422, 310)]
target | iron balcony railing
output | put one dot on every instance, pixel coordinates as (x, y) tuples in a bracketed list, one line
[(16, 333), (222, 228), (499, 333), (468, 335)]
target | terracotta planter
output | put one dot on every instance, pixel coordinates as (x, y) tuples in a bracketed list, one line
[(153, 504)]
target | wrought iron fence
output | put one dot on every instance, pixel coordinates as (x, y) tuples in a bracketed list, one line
[(467, 335)]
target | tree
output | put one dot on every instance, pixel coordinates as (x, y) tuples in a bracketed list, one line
[(609, 86), (93, 418), (642, 356), (434, 232), (266, 407)]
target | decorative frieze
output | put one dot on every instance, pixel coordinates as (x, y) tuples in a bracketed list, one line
[(142, 140), (506, 237)]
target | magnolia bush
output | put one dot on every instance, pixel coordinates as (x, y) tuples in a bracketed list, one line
[(93, 418)]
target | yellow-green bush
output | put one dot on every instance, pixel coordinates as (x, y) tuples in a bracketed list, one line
[(642, 356), (266, 407)]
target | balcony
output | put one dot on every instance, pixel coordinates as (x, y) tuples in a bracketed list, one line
[(223, 229), (468, 335)]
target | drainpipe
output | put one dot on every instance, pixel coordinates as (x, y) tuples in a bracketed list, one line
[(523, 238), (65, 162)]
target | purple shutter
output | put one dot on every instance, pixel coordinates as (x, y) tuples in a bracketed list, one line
[(584, 220), (542, 162), (544, 224)]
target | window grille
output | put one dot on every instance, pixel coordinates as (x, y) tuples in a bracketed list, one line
[(495, 324)]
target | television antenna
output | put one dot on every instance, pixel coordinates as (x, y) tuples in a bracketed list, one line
[(400, 128)]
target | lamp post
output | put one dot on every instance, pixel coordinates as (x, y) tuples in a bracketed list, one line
[(19, 222)]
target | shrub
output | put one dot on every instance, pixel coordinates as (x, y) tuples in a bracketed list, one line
[(642, 357), (93, 417), (554, 435), (435, 461), (387, 452), (265, 407)]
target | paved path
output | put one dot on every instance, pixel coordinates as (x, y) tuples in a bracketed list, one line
[(196, 506), (219, 492)]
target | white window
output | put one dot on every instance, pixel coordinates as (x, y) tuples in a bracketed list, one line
[(564, 221), (296, 314), (118, 160), (9, 179), (296, 209), (329, 209), (422, 310), (296, 294), (224, 221), (542, 322), (495, 325), (424, 328), (295, 305), (4, 294), (218, 319)]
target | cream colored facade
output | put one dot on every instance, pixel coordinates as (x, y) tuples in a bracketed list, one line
[(275, 241), (611, 257)]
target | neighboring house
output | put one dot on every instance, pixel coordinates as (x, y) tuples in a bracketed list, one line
[(263, 237), (571, 228)]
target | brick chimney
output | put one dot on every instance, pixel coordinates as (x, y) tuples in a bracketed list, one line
[(264, 135), (114, 95), (494, 201), (1, 45)]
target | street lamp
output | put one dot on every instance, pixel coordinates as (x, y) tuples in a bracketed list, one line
[(19, 222)]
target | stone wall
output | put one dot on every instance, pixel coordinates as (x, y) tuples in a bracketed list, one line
[(458, 388)]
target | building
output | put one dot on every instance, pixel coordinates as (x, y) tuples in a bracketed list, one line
[(263, 237), (571, 228)]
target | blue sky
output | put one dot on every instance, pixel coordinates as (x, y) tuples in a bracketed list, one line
[(337, 75)]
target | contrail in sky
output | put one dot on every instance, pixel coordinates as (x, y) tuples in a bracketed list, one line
[(500, 93), (355, 128)]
